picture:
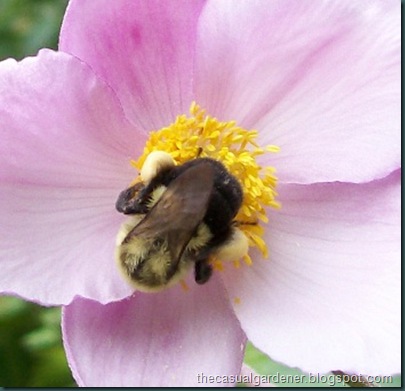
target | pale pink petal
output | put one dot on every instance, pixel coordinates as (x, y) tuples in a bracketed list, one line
[(329, 296), (64, 158), (164, 339), (320, 79), (143, 49)]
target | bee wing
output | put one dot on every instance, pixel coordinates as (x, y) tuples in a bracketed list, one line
[(179, 211)]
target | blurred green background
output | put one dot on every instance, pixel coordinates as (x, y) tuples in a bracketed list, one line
[(29, 25), (31, 352)]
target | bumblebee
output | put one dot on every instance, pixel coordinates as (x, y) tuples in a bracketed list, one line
[(179, 217)]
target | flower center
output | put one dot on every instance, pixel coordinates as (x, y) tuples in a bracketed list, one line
[(200, 135)]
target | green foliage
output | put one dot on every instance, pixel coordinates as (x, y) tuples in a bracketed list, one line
[(31, 352), (28, 25)]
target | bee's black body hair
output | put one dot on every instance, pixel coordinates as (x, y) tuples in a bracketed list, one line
[(224, 202)]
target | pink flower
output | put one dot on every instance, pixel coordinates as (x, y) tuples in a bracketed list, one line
[(319, 79)]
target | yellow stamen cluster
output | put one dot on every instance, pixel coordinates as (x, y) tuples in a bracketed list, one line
[(200, 135)]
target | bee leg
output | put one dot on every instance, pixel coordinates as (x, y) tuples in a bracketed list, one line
[(202, 271), (128, 203)]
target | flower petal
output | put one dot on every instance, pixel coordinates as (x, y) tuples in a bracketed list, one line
[(143, 49), (329, 297), (320, 79), (64, 158), (164, 339)]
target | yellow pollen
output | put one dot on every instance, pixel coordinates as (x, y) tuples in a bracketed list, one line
[(247, 260), (184, 286), (216, 264), (236, 300), (200, 135)]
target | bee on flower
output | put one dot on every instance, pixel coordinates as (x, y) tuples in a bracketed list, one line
[(287, 111)]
